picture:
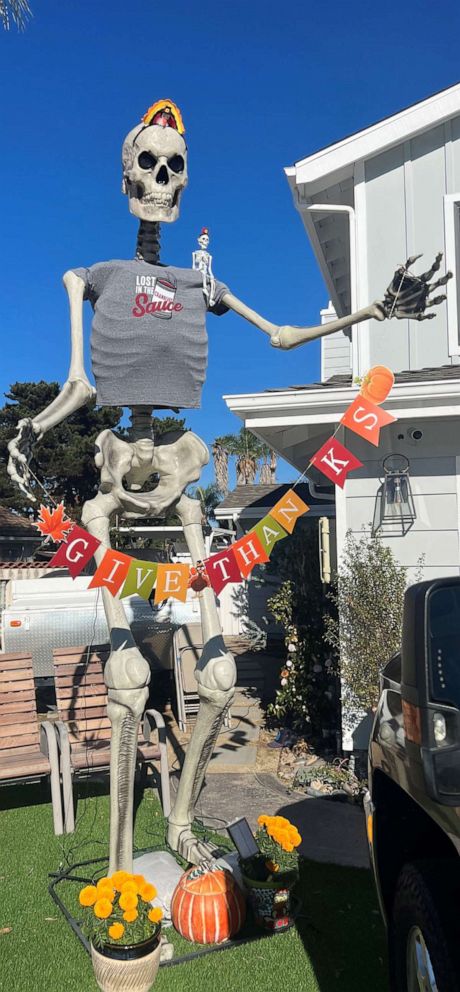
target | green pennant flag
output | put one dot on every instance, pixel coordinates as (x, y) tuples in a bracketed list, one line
[(140, 579), (269, 531)]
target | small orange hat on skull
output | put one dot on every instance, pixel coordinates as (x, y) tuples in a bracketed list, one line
[(165, 113)]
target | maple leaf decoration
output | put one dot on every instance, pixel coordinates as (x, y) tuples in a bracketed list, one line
[(53, 523)]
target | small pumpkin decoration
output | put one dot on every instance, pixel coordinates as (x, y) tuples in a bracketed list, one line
[(377, 384), (207, 906)]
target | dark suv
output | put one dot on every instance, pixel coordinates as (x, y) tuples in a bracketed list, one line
[(413, 804)]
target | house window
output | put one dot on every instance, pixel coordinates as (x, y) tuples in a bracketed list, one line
[(452, 232)]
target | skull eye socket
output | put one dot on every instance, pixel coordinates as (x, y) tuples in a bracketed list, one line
[(176, 163), (146, 160)]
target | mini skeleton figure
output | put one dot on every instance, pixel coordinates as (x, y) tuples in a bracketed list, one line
[(202, 261), (149, 350)]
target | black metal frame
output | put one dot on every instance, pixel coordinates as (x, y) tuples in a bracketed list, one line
[(68, 876)]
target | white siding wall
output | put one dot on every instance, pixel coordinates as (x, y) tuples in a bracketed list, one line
[(335, 349), (434, 483), (403, 215)]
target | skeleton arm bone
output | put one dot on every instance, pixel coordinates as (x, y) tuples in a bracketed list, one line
[(76, 391), (290, 337)]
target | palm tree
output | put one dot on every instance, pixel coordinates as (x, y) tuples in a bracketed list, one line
[(209, 497), (249, 452), (220, 457), (14, 10)]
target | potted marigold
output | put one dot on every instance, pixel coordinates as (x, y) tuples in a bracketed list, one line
[(270, 875), (124, 930)]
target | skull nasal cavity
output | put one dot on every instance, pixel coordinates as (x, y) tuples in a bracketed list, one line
[(163, 177)]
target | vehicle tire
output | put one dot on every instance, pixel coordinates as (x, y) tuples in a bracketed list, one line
[(424, 935)]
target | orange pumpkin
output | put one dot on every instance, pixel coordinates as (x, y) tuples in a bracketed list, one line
[(207, 906), (377, 384)]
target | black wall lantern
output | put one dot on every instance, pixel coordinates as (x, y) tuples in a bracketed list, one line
[(394, 509)]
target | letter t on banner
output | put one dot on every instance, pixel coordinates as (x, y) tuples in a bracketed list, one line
[(76, 551), (222, 568), (366, 419), (335, 461)]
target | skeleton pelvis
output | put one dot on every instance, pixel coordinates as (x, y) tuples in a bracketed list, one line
[(174, 464)]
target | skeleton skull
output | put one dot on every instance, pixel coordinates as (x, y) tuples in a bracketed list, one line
[(154, 172)]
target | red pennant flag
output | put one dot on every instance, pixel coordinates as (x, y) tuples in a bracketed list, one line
[(222, 568), (366, 418), (112, 571), (335, 461), (76, 551), (249, 551)]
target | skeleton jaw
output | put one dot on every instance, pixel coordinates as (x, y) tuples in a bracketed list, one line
[(161, 206)]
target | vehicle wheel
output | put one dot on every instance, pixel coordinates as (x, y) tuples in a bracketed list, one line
[(424, 934)]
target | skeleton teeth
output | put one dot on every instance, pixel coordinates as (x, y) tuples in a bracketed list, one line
[(159, 200)]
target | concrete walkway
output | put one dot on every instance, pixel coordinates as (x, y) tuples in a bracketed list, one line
[(332, 832)]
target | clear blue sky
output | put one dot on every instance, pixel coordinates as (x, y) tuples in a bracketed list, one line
[(260, 85)]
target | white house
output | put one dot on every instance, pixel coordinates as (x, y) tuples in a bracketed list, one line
[(369, 202)]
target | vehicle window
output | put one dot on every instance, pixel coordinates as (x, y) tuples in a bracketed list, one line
[(444, 644)]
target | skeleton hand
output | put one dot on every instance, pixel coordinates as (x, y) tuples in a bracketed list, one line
[(408, 296), (20, 450), (73, 395)]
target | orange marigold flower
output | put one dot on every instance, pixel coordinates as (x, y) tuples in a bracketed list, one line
[(88, 896), (139, 880), (130, 915), (263, 820), (119, 877), (147, 892), (127, 900), (155, 914), (103, 908), (116, 931), (130, 886), (105, 888)]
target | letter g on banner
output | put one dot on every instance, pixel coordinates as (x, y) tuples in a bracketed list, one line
[(76, 551)]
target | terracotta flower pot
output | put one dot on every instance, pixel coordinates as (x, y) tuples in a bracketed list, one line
[(127, 968), (271, 901)]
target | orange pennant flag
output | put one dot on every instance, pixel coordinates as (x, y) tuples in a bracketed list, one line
[(112, 571), (172, 581), (288, 510), (249, 551), (366, 418)]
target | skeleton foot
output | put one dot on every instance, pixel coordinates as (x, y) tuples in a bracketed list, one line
[(190, 848)]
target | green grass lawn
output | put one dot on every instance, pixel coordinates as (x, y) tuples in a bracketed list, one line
[(337, 943)]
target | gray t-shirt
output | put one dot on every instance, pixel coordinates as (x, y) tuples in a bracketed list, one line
[(148, 342)]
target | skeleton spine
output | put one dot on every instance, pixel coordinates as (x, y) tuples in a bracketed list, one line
[(148, 242)]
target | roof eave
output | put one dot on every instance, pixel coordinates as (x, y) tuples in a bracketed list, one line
[(376, 138)]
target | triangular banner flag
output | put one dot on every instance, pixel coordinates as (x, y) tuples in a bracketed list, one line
[(172, 581), (76, 551), (366, 418), (112, 571), (140, 579), (335, 461), (222, 569), (269, 531), (249, 551), (288, 510)]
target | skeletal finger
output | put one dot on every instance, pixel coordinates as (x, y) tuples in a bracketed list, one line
[(412, 260), (434, 268), (441, 282), (424, 316), (436, 299)]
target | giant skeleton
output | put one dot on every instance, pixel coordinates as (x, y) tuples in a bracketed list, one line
[(154, 176)]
